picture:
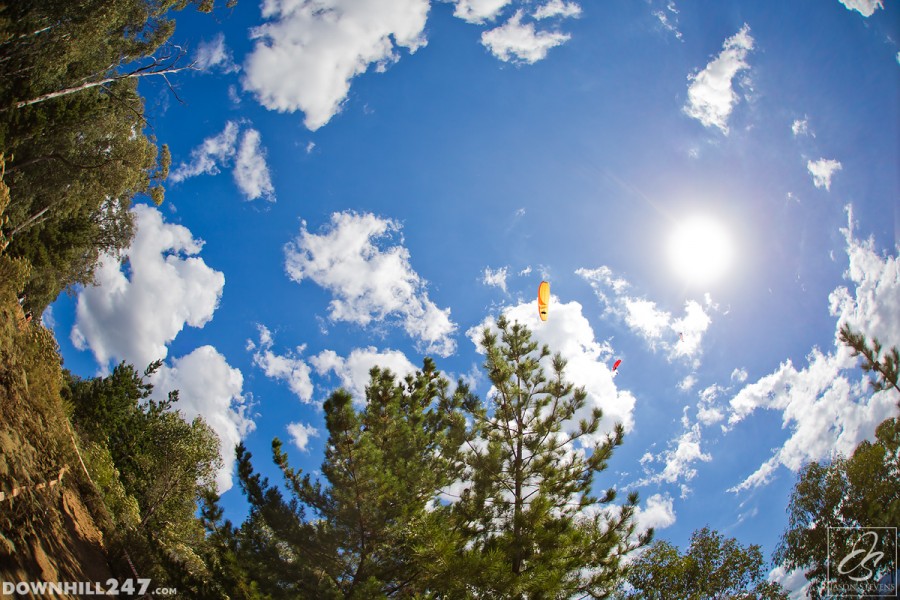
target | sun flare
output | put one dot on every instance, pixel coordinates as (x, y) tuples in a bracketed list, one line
[(699, 250)]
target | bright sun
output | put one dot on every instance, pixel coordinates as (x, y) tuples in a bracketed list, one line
[(699, 250)]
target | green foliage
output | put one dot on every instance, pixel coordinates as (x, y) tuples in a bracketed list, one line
[(713, 567), (75, 163), (884, 366), (860, 491), (359, 535), (123, 507), (144, 456), (529, 523)]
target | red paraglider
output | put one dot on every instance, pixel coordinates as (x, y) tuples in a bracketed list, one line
[(617, 363)]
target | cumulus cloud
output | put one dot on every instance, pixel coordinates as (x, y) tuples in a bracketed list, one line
[(822, 170), (251, 173), (132, 314), (557, 8), (864, 7), (370, 282), (300, 434), (308, 52), (214, 55), (517, 42), (658, 512), (679, 337), (479, 11), (827, 405), (289, 367), (353, 371), (210, 388), (569, 333), (495, 278), (710, 95)]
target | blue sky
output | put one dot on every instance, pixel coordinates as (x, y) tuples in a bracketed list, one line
[(370, 182)]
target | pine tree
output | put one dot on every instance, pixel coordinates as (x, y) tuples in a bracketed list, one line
[(528, 522), (359, 533)]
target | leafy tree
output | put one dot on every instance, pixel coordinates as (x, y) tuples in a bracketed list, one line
[(358, 534), (714, 567), (71, 126), (528, 521), (859, 491), (884, 366), (164, 465)]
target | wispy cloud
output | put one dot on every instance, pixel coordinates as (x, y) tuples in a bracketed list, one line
[(557, 8), (827, 405), (288, 367), (370, 281), (678, 337), (214, 55), (710, 95), (495, 278), (822, 170), (251, 172)]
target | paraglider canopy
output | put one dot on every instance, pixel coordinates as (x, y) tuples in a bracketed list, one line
[(617, 363), (543, 299)]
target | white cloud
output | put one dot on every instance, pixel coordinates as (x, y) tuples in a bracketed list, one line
[(678, 458), (822, 170), (667, 24), (478, 11), (301, 433), (515, 42), (739, 375), (800, 127), (678, 337), (794, 582), (708, 410), (214, 54), (827, 405), (865, 7), (353, 371), (308, 52), (710, 95), (133, 316), (568, 332), (289, 367), (251, 173), (210, 388), (495, 278), (557, 8), (206, 158), (658, 512), (369, 283)]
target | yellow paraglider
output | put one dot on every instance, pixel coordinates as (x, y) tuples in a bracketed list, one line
[(543, 299)]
